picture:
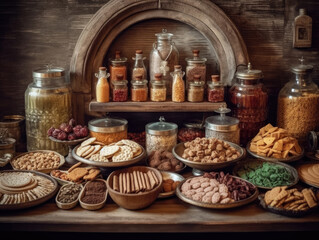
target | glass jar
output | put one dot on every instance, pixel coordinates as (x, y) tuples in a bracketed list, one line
[(139, 89), (298, 103), (163, 57), (191, 130), (223, 127), (120, 91), (102, 86), (160, 136), (195, 66), (178, 87), (118, 65), (47, 104), (108, 130), (195, 91), (158, 89), (215, 90), (139, 66), (248, 101)]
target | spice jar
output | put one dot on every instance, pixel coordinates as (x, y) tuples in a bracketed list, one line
[(139, 89), (158, 89), (298, 103), (160, 136), (223, 127), (215, 90), (196, 90), (178, 87), (139, 66), (108, 130), (191, 130), (120, 91), (102, 86), (47, 104), (195, 66), (163, 57), (118, 66), (248, 101)]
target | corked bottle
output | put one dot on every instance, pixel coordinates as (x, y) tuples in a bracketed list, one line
[(120, 91), (215, 90), (118, 66), (158, 89), (196, 90), (139, 66), (195, 65), (178, 87), (139, 89), (102, 86)]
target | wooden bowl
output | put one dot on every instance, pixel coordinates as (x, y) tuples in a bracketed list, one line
[(95, 206), (134, 201), (67, 205)]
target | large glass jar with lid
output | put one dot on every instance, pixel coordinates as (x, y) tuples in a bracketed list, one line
[(248, 101), (139, 89), (195, 66), (160, 136), (163, 57), (298, 103), (158, 89), (47, 104), (118, 65)]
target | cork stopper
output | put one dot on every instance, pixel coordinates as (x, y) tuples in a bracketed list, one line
[(102, 68), (302, 11), (139, 51), (158, 76), (117, 54), (215, 78), (196, 77), (195, 52), (119, 77), (138, 77)]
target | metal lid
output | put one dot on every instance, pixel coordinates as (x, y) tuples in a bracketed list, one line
[(12, 121), (48, 72), (197, 84), (222, 123), (249, 73), (161, 128), (107, 125), (164, 34), (302, 68), (195, 59)]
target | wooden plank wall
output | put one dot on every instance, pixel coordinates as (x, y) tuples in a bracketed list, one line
[(36, 32)]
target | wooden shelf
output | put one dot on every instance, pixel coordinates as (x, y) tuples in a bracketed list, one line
[(154, 106)]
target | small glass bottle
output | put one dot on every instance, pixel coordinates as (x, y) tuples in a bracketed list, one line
[(196, 90), (178, 87), (102, 86), (139, 89), (139, 66), (215, 90), (158, 89), (195, 65), (120, 91), (118, 66)]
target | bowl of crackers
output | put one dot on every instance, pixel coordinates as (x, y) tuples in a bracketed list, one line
[(135, 187), (119, 154), (275, 144)]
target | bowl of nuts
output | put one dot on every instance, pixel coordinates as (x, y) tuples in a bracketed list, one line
[(207, 154)]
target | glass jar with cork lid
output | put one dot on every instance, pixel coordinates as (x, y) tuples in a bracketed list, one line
[(139, 66), (139, 89), (215, 90), (195, 91), (178, 86), (158, 89), (118, 65), (195, 66), (120, 90)]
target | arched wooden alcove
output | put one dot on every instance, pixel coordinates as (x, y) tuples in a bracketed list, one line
[(116, 16)]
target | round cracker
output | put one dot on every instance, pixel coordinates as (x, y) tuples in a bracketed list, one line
[(97, 148), (82, 149), (124, 154), (109, 151), (88, 141), (87, 152), (16, 180)]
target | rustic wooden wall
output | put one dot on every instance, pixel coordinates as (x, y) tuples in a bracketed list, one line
[(36, 32)]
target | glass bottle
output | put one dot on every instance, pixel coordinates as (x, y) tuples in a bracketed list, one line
[(215, 90), (139, 66), (158, 89), (47, 104), (298, 103), (195, 65), (163, 57), (120, 91), (196, 90), (102, 86), (248, 100), (139, 89), (178, 86), (118, 66)]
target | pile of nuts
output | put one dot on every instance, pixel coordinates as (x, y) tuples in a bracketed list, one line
[(164, 160), (69, 193)]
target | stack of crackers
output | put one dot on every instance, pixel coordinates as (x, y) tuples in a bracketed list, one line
[(122, 150), (135, 182), (309, 173), (274, 142), (291, 199)]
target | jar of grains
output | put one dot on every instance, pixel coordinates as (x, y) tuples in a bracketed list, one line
[(108, 130), (139, 89), (215, 90), (158, 89), (178, 87), (160, 136), (223, 127), (298, 103), (139, 66), (120, 91), (196, 90), (195, 65), (118, 66), (248, 101)]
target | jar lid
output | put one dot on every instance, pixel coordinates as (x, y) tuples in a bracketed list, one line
[(48, 72), (158, 82), (302, 68), (196, 59), (118, 59), (164, 34), (222, 123), (139, 82), (161, 128), (11, 121), (212, 84), (107, 125), (197, 84), (195, 123), (119, 82), (249, 73)]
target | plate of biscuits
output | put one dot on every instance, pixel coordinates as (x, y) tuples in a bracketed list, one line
[(122, 153), (309, 173)]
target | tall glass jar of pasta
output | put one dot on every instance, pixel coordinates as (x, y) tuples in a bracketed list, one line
[(248, 101), (47, 104), (298, 103)]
